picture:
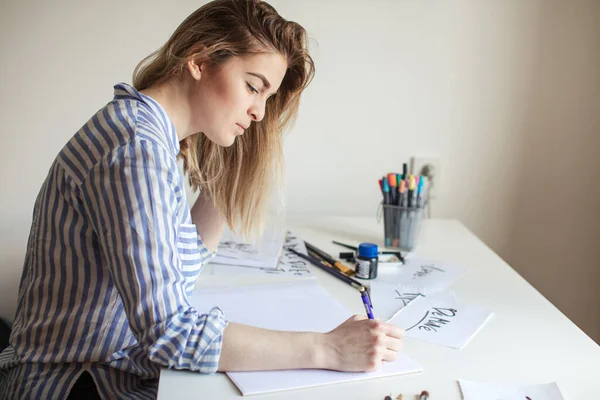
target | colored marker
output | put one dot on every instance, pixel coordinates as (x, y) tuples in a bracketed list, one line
[(420, 192), (413, 187), (386, 191), (387, 214), (392, 213), (391, 178), (411, 191), (402, 202)]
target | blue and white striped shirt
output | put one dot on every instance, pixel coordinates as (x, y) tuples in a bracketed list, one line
[(111, 259)]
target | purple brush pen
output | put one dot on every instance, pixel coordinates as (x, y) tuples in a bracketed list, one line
[(365, 299)]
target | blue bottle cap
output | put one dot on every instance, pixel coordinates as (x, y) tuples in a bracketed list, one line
[(368, 250)]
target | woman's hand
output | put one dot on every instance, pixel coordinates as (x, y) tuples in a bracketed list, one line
[(361, 344)]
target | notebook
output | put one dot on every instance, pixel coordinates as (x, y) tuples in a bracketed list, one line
[(301, 305)]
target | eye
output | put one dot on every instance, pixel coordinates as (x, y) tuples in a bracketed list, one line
[(251, 88)]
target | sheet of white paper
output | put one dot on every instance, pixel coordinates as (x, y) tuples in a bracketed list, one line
[(297, 306), (389, 298), (439, 318), (234, 250), (496, 391), (289, 264), (423, 273)]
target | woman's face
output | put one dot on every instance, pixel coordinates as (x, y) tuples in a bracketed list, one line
[(226, 99)]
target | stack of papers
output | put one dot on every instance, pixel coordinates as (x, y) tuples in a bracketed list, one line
[(234, 250), (397, 286), (440, 319), (417, 298), (288, 264)]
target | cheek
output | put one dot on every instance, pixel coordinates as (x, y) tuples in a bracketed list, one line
[(231, 99)]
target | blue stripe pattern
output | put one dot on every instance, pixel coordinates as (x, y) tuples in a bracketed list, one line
[(111, 260)]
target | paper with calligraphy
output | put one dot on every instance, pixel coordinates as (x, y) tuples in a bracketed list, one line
[(440, 319)]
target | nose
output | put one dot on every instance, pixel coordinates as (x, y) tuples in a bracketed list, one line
[(257, 111)]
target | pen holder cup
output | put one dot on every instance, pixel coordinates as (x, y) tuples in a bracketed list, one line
[(401, 226)]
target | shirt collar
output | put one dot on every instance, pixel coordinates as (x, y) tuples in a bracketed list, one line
[(125, 90)]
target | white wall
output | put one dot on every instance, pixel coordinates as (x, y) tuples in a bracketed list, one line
[(504, 92)]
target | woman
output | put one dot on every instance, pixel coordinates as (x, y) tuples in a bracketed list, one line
[(114, 248)]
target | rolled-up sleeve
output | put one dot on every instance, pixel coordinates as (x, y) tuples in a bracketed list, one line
[(131, 198)]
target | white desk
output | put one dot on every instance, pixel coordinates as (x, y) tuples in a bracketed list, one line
[(527, 340)]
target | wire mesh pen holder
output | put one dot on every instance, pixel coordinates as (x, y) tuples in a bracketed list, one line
[(401, 226)]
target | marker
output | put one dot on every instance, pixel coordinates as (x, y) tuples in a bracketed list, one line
[(405, 171), (386, 191), (413, 187), (420, 192), (392, 212), (411, 191), (402, 202), (387, 214), (426, 187), (391, 178), (365, 299)]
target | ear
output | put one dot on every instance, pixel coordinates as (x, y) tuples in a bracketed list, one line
[(195, 67)]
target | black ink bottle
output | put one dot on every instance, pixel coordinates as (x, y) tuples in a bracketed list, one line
[(367, 261)]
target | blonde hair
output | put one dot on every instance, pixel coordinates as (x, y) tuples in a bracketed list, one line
[(239, 178)]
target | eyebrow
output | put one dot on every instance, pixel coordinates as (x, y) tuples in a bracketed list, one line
[(262, 78)]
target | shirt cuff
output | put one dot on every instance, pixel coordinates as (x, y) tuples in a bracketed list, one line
[(208, 361)]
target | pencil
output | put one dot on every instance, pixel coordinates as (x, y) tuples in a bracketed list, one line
[(324, 265)]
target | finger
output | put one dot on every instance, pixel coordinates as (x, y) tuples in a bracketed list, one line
[(354, 318), (389, 355), (393, 331), (393, 344)]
